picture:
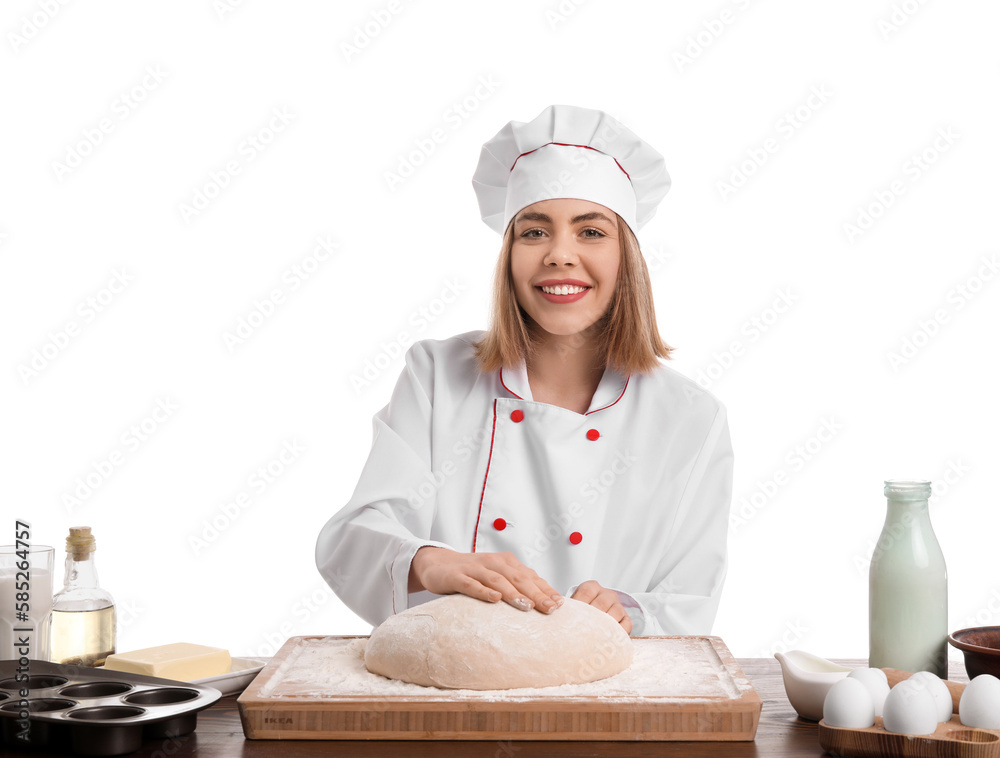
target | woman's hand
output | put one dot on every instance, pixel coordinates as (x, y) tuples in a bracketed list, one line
[(486, 576), (603, 599)]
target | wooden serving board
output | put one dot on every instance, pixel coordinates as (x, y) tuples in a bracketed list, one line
[(677, 688), (951, 740)]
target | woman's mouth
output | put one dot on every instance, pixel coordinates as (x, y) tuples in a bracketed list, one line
[(563, 293)]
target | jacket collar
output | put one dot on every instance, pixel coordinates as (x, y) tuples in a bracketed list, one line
[(609, 391)]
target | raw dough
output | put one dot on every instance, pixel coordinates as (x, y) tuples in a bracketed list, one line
[(460, 642)]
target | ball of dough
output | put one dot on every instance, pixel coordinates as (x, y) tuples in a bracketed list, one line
[(460, 642)]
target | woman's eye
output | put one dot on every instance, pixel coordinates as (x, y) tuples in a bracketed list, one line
[(530, 233), (596, 233)]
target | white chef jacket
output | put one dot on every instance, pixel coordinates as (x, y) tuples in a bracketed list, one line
[(635, 493)]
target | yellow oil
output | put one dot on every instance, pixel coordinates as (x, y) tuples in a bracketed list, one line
[(83, 638)]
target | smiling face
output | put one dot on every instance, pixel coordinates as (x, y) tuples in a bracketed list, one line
[(564, 262)]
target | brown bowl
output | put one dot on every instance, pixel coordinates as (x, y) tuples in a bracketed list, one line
[(981, 646)]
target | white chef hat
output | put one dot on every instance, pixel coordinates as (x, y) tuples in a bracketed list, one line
[(568, 151)]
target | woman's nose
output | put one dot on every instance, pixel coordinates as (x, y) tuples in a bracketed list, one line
[(561, 251)]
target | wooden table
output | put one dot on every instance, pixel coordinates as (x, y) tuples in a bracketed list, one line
[(781, 733)]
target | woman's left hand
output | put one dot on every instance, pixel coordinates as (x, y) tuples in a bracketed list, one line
[(603, 599)]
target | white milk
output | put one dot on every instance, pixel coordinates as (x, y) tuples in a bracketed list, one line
[(39, 616)]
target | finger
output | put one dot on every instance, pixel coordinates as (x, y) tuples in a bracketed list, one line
[(587, 591), (618, 613), (525, 579), (605, 601), (499, 582), (541, 594), (626, 623), (467, 585)]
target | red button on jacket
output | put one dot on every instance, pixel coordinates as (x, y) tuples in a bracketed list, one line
[(499, 524), (576, 538), (517, 416), (593, 434)]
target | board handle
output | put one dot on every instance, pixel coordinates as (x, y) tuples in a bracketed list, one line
[(895, 676)]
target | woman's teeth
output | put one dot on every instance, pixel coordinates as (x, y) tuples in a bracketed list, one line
[(563, 289)]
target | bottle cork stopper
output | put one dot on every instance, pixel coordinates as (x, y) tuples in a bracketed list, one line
[(80, 543)]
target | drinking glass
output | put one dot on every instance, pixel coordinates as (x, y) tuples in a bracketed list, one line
[(25, 579)]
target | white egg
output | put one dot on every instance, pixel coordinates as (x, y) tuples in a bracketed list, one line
[(940, 691), (910, 709), (980, 703), (848, 705), (877, 684)]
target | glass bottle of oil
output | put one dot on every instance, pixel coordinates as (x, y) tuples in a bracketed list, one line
[(83, 615)]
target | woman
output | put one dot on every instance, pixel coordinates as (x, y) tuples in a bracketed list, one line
[(553, 453)]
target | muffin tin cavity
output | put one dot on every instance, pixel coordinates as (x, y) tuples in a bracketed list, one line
[(39, 705), (95, 712), (164, 696), (35, 682), (106, 713), (95, 689)]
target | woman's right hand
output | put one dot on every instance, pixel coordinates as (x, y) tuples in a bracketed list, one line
[(487, 576)]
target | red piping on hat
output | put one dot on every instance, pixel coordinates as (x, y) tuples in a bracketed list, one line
[(567, 144)]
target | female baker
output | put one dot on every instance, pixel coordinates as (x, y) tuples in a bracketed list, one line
[(554, 452)]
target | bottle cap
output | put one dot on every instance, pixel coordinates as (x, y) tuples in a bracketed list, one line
[(80, 543)]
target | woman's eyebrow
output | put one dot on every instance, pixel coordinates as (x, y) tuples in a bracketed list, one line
[(593, 215), (536, 216)]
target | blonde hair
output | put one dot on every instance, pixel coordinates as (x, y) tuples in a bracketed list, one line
[(628, 338)]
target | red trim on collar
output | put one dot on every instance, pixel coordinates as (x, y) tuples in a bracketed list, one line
[(616, 399), (569, 144), (475, 534), (508, 388), (521, 398)]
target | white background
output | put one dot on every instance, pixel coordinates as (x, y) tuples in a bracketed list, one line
[(894, 78)]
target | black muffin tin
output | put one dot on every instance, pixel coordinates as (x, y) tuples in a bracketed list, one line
[(75, 709)]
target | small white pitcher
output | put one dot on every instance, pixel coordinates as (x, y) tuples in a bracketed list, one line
[(807, 679)]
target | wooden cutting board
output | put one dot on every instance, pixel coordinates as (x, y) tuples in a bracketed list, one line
[(677, 688)]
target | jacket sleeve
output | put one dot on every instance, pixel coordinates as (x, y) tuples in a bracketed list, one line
[(364, 551), (690, 576)]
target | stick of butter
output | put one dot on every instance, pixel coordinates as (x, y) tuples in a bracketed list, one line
[(181, 660)]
